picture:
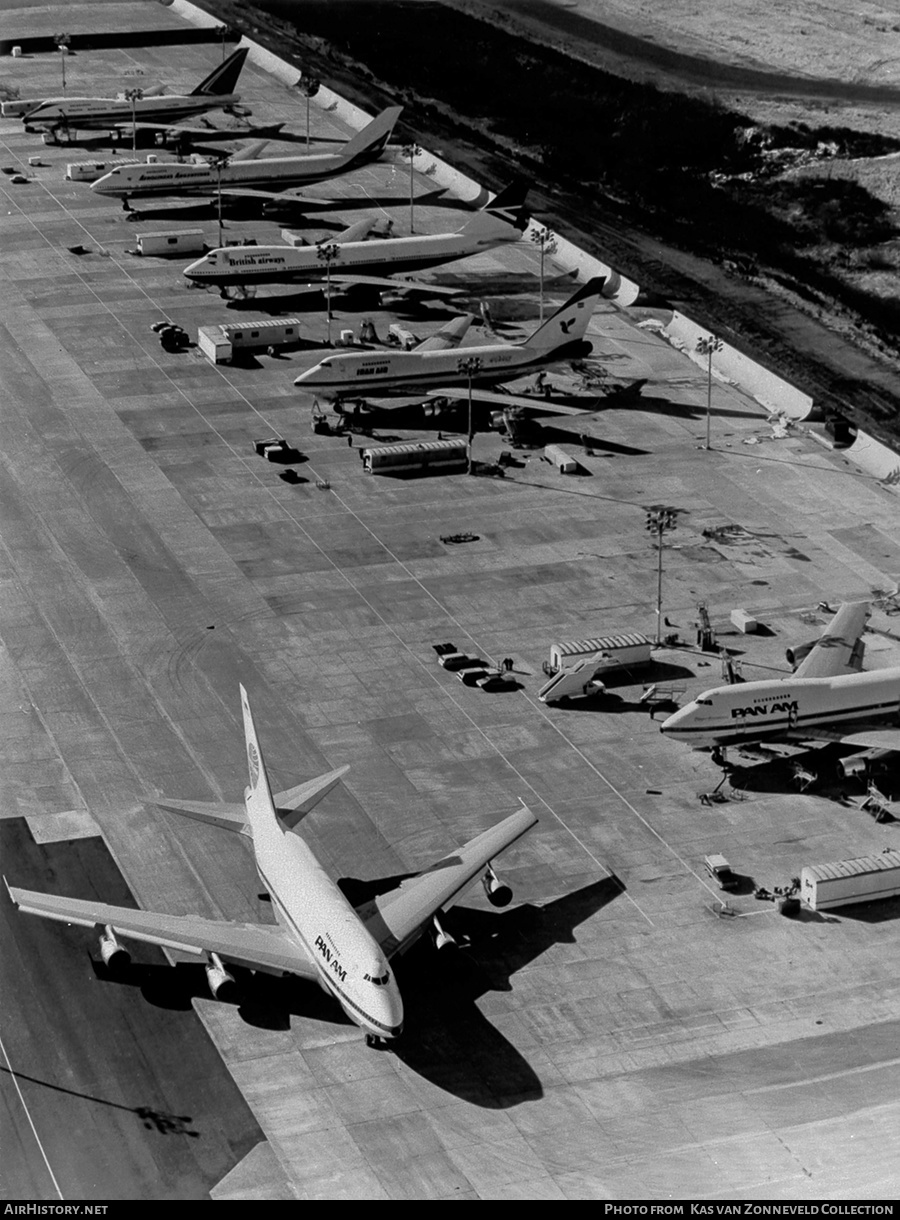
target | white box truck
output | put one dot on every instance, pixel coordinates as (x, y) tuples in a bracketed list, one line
[(616, 652), (867, 879)]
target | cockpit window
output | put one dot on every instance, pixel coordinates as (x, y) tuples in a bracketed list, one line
[(379, 980), (704, 702)]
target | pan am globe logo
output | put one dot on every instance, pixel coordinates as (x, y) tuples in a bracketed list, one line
[(253, 758)]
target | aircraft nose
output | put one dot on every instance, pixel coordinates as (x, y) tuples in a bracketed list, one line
[(674, 722), (195, 270)]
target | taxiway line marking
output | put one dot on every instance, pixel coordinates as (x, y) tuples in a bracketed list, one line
[(37, 1138)]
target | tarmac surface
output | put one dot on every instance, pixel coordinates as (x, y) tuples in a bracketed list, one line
[(619, 1032)]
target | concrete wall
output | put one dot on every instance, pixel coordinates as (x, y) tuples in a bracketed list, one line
[(731, 365)]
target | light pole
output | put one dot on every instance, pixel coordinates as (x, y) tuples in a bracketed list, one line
[(411, 151), (659, 519), (542, 237), (134, 95), (469, 366), (219, 162), (328, 252), (706, 347), (309, 87), (62, 41), (222, 31)]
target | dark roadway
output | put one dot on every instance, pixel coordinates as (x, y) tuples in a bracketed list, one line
[(127, 1100)]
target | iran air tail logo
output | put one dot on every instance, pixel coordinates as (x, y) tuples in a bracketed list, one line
[(253, 759)]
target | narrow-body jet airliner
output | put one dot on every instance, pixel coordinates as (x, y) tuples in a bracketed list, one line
[(319, 935)]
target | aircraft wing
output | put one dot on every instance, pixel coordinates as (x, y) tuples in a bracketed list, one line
[(397, 917), (836, 651), (246, 944), (545, 409), (377, 281), (285, 196), (876, 737), (448, 336)]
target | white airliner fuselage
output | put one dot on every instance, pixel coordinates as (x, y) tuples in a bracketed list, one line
[(312, 910), (283, 264), (85, 113), (753, 711), (273, 173)]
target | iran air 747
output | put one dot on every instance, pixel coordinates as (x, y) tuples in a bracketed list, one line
[(319, 935), (828, 697), (215, 92), (560, 338)]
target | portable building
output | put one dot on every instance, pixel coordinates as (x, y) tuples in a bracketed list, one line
[(173, 241), (866, 879), (220, 343), (415, 456)]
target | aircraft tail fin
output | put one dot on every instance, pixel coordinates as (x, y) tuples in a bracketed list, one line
[(251, 152), (564, 330), (223, 78), (214, 813), (505, 213), (370, 143), (259, 802), (294, 804)]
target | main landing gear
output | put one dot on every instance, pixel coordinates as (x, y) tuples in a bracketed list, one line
[(374, 1043)]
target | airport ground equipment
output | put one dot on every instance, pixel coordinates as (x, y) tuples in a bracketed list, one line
[(415, 457), (557, 456), (706, 637), (578, 668), (867, 879), (220, 343), (721, 871), (617, 651)]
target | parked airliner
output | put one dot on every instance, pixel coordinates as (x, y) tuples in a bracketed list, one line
[(501, 221), (214, 92), (247, 177), (561, 337), (319, 935), (826, 690)]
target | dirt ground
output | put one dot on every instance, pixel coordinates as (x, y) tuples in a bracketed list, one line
[(813, 61)]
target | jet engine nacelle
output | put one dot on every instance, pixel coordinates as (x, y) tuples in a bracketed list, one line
[(440, 408), (114, 955), (858, 765), (217, 976), (498, 893), (442, 939), (796, 655)]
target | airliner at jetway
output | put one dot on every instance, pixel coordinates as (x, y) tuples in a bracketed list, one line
[(246, 177), (501, 221), (561, 337), (319, 935), (214, 92), (826, 691)]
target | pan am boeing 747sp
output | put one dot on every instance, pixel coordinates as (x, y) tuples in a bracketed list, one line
[(215, 92), (501, 221), (561, 337), (319, 935), (828, 689), (247, 178)]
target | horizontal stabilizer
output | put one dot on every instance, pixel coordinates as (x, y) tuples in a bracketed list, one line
[(216, 813), (295, 803)]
